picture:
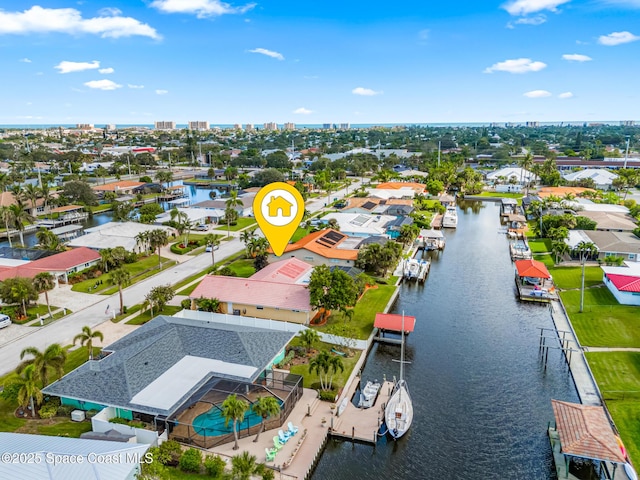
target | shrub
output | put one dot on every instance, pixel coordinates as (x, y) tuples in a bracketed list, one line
[(191, 460), (170, 453), (268, 474), (118, 420), (214, 466), (48, 410), (327, 395), (186, 304), (91, 413), (227, 272), (65, 410)]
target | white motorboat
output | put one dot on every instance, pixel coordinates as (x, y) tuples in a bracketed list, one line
[(399, 411), (411, 269), (450, 219), (368, 394)]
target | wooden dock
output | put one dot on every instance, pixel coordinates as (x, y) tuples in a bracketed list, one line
[(527, 294)]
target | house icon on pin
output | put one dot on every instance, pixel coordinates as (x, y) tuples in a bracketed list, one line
[(279, 203)]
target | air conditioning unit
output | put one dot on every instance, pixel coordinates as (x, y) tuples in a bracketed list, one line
[(78, 415)]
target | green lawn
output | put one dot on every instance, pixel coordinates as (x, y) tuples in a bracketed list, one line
[(299, 234), (146, 316), (243, 222), (65, 428), (546, 259), (46, 320), (570, 277), (604, 322), (33, 311), (373, 301), (243, 267), (541, 245), (339, 379), (618, 377), (139, 271), (502, 195)]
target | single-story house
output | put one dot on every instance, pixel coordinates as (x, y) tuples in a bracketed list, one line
[(116, 234), (261, 298), (515, 175), (612, 221), (624, 282), (416, 187), (361, 225), (405, 192), (60, 265), (171, 364), (93, 459), (244, 210), (324, 247), (378, 205), (289, 271), (609, 244), (195, 215), (394, 227), (123, 187), (603, 179)]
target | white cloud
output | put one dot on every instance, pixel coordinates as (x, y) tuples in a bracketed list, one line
[(162, 92), (136, 87), (25, 60), (565, 95), (310, 77), (201, 8), (623, 3), (537, 94), (525, 7), (518, 65), (576, 57), (102, 84), (268, 53), (302, 111), (69, 67), (69, 20), (367, 92), (617, 38), (109, 12), (537, 20), (106, 71)]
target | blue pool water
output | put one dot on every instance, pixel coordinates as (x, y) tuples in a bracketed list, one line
[(211, 423)]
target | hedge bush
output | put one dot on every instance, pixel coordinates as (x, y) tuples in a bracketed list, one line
[(191, 460), (214, 466)]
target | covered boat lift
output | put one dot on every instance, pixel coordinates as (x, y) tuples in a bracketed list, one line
[(584, 431), (392, 322), (533, 281)]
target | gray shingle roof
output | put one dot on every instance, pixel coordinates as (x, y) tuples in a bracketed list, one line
[(145, 354)]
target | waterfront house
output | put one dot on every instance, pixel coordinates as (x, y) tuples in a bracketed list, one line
[(602, 179), (244, 210), (513, 175), (172, 370), (123, 187), (324, 247), (624, 282), (60, 265), (116, 234), (418, 188), (361, 225), (374, 205), (609, 244)]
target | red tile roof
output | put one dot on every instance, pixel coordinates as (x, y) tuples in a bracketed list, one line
[(254, 292), (284, 271), (532, 269), (393, 322), (121, 185), (60, 262), (314, 243), (625, 283)]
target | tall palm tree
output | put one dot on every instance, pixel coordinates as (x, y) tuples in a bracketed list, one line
[(164, 176), (584, 250), (121, 278), (7, 218), (335, 364), (106, 258), (212, 241), (265, 407), (47, 239), (32, 193), (87, 337), (43, 282), (525, 164), (29, 389), (142, 241), (20, 216), (232, 202), (45, 191), (308, 337), (158, 238), (233, 409), (320, 366), (53, 358)]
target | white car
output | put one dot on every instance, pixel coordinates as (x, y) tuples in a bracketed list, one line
[(208, 249), (5, 320)]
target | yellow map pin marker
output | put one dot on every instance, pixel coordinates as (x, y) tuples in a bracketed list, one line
[(278, 208)]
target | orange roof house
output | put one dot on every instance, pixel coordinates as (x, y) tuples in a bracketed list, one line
[(419, 187), (122, 186), (545, 192), (277, 204), (320, 248)]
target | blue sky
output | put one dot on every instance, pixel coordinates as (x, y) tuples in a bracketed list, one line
[(137, 61)]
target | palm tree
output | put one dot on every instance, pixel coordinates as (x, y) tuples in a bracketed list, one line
[(121, 278), (233, 409), (212, 241), (265, 407), (558, 249), (43, 282), (320, 366), (28, 383), (142, 241), (106, 258), (158, 238), (335, 364), (47, 239), (525, 164), (232, 202), (164, 176), (20, 216), (45, 191), (247, 235), (584, 250), (87, 337), (32, 193), (7, 219), (308, 337), (243, 466), (53, 358)]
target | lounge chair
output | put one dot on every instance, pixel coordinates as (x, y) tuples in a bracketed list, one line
[(284, 437), (292, 428), (270, 454), (277, 444)]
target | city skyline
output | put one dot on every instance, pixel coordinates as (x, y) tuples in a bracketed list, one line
[(138, 62)]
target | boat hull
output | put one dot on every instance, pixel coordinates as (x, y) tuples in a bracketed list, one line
[(399, 411)]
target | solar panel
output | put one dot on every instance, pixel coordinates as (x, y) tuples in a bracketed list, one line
[(334, 235), (369, 205), (360, 220)]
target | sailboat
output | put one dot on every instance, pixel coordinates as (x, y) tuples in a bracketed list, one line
[(399, 411)]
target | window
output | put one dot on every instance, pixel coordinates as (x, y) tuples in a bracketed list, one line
[(632, 256), (259, 307), (308, 258)]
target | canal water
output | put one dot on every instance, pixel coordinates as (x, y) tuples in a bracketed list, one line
[(481, 396)]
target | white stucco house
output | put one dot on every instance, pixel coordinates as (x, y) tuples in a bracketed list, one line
[(624, 283)]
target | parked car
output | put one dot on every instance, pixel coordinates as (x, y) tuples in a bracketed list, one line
[(208, 249), (202, 227), (5, 320)]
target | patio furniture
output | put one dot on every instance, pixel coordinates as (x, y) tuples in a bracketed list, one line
[(284, 437), (292, 428), (277, 444), (270, 454)]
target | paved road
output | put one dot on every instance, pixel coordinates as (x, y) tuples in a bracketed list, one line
[(63, 331)]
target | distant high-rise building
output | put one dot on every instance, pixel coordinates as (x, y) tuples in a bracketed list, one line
[(289, 126), (344, 126), (533, 124), (326, 126), (627, 123), (249, 128), (270, 126), (198, 125), (164, 125), (509, 124), (84, 126), (110, 127), (237, 126)]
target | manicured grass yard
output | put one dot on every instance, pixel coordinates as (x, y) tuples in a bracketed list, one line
[(146, 316), (618, 377), (546, 259), (502, 195), (299, 234), (570, 277), (542, 245), (373, 301), (242, 223), (243, 267), (604, 322)]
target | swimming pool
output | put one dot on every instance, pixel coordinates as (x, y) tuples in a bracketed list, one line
[(211, 423)]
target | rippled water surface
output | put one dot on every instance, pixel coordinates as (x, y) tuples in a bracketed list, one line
[(480, 394)]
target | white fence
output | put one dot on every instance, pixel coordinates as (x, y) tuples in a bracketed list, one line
[(100, 424)]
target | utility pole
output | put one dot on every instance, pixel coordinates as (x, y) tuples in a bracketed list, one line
[(439, 142), (626, 153)]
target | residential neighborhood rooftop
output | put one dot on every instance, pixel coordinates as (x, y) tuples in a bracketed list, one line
[(326, 243)]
